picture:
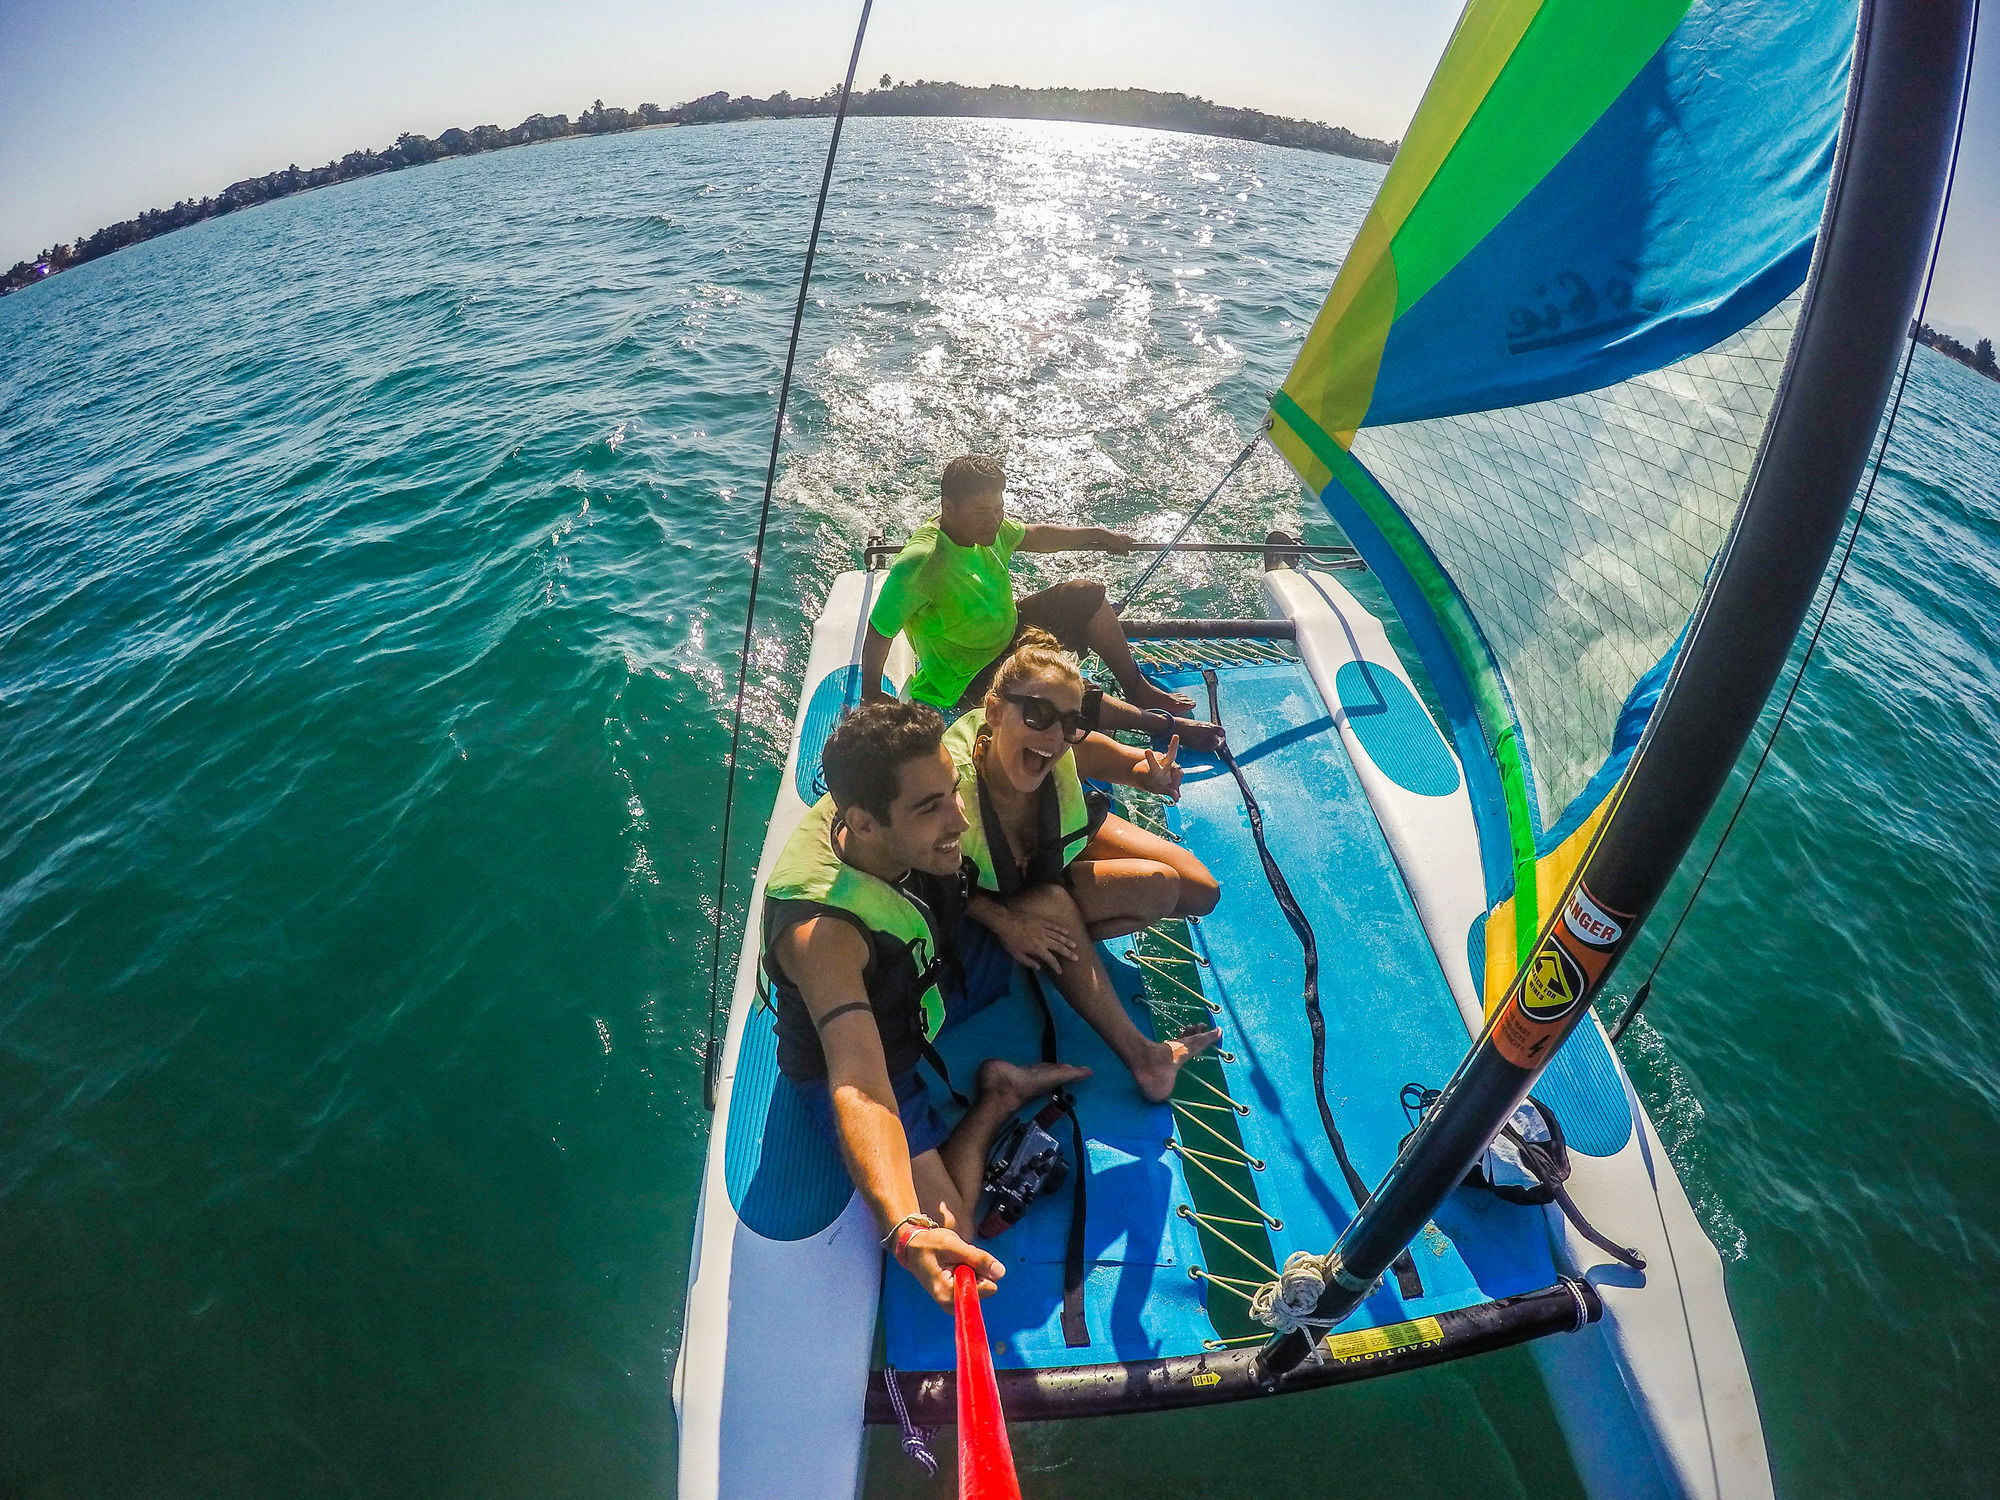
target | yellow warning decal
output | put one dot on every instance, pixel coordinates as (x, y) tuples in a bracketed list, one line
[(1375, 1343), (1207, 1377), (1555, 983)]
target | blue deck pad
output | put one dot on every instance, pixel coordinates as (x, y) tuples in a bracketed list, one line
[(1395, 730), (785, 1178), (1139, 1302), (1390, 1018), (835, 694), (1583, 1089)]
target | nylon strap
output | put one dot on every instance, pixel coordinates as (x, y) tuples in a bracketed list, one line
[(1407, 1281), (1076, 1333)]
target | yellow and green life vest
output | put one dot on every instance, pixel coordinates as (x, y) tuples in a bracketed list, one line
[(907, 947), (1063, 820)]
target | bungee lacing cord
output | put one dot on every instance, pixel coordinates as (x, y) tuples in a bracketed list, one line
[(1645, 990), (1159, 968), (1179, 947), (712, 1052), (1210, 1221), (1254, 1163), (1408, 1281), (1188, 1112)]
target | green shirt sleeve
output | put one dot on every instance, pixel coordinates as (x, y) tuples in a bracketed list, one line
[(1011, 532), (900, 595)]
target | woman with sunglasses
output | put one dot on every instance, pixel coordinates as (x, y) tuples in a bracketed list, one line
[(1023, 758)]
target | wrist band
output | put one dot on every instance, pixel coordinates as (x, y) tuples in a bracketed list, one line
[(904, 1230)]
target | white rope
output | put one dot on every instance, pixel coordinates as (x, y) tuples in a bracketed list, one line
[(1287, 1303)]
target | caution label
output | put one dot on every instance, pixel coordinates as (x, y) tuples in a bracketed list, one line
[(1561, 973), (1378, 1343)]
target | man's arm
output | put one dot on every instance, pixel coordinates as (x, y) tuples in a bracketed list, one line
[(1074, 539), (874, 657), (829, 956)]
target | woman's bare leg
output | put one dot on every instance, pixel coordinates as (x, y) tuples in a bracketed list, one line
[(1121, 896), (1084, 984), (1119, 840)]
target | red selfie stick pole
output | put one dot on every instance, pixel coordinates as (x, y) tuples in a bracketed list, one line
[(985, 1462)]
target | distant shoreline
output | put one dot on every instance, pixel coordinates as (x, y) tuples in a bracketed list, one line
[(1141, 107), (1978, 359)]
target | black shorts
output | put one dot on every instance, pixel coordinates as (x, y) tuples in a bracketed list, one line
[(1064, 610)]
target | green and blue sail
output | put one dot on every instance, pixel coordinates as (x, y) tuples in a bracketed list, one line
[(1588, 193)]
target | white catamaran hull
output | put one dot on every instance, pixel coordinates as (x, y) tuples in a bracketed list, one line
[(773, 1366), (1655, 1398), (771, 1382)]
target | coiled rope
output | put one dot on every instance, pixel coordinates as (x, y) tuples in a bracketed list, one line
[(712, 1053), (1288, 1303)]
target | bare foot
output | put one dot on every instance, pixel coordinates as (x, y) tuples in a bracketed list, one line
[(1014, 1084), (1198, 734), (1159, 700), (1156, 1072)]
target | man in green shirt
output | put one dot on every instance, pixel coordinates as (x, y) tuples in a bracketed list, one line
[(951, 591)]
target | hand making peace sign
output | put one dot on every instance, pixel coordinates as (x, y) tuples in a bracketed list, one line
[(1162, 773)]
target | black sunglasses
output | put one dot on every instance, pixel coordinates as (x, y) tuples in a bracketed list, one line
[(1039, 714)]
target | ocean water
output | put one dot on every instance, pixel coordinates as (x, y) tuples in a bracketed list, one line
[(375, 565)]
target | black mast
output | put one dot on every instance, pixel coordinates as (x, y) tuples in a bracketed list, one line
[(1910, 60)]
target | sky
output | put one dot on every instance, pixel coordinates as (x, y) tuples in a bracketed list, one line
[(1966, 289), (109, 107)]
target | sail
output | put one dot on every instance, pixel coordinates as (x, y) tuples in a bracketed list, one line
[(1604, 516), (1536, 393)]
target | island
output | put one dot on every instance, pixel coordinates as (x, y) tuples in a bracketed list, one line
[(1145, 107), (1979, 358)]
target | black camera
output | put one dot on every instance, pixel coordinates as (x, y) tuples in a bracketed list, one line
[(1025, 1162)]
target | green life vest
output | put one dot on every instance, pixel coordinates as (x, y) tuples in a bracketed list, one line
[(1063, 815), (906, 947)]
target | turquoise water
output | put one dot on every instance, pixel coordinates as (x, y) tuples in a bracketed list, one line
[(376, 563)]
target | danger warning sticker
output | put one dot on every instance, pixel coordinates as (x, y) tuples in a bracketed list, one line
[(1590, 923), (1559, 977)]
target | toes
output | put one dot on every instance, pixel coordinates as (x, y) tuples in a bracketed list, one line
[(1196, 1040)]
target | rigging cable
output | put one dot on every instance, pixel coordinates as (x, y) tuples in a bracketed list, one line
[(1645, 990), (712, 1052), (1194, 515)]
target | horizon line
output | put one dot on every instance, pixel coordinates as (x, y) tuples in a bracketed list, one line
[(1159, 110)]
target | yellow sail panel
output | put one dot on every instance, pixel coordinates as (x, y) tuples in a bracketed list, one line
[(1552, 874), (1334, 375)]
